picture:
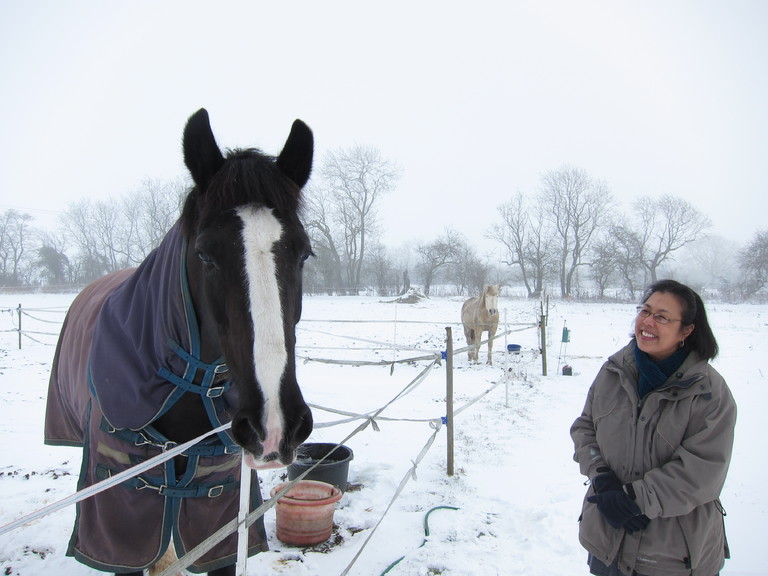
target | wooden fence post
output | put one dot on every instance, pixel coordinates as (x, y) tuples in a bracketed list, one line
[(543, 326), (449, 396)]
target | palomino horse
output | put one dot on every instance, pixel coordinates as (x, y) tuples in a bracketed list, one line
[(200, 334), (481, 315)]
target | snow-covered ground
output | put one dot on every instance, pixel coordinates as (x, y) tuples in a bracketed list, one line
[(516, 487)]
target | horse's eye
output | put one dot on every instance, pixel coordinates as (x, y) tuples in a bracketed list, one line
[(205, 259), (306, 255)]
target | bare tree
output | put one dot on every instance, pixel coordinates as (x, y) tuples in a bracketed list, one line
[(470, 272), (110, 235), (381, 271), (666, 225), (437, 255), (576, 207), (77, 221), (154, 208), (356, 179), (753, 261), (319, 220), (15, 235), (523, 235), (604, 263), (716, 260), (628, 257)]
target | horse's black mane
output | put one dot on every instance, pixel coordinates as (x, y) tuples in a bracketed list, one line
[(247, 176)]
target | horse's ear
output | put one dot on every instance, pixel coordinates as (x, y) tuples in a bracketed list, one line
[(201, 153), (295, 161)]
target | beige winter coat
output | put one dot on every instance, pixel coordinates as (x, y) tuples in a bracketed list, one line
[(674, 448)]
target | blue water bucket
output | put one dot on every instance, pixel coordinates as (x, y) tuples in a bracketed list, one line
[(514, 348)]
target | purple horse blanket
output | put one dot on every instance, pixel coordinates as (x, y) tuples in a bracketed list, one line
[(126, 353)]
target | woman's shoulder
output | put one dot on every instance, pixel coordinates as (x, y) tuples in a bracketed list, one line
[(718, 387), (624, 357)]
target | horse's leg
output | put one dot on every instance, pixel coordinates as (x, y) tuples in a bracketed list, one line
[(474, 345), (468, 336), (491, 335)]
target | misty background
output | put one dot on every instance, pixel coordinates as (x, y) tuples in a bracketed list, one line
[(479, 121)]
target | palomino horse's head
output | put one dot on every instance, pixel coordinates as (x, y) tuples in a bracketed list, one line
[(246, 252), (491, 299)]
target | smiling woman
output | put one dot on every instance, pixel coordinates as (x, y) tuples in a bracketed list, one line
[(655, 439), (659, 329)]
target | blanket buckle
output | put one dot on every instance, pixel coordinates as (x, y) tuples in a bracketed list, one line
[(215, 491), (144, 485)]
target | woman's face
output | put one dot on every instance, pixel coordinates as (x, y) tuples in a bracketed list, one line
[(655, 338)]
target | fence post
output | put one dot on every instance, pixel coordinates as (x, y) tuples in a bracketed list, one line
[(543, 326), (506, 361), (242, 531), (19, 312), (449, 395)]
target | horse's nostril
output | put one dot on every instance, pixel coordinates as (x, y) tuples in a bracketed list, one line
[(247, 435), (298, 430), (303, 425)]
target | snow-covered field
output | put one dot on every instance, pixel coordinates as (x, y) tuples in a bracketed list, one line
[(516, 486)]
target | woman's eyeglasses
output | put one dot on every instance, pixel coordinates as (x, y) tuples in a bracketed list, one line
[(643, 312)]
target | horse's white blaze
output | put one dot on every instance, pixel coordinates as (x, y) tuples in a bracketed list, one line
[(261, 229), (492, 303)]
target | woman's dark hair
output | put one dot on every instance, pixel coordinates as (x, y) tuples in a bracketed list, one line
[(701, 340)]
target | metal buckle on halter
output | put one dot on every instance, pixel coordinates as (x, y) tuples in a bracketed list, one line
[(215, 491), (214, 392)]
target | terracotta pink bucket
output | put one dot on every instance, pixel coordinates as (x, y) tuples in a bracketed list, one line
[(305, 512)]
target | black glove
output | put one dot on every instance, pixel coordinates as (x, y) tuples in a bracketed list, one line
[(620, 510), (637, 523), (606, 482)]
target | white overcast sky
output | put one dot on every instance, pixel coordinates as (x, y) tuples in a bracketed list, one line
[(473, 100)]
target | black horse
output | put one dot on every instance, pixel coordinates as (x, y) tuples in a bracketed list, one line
[(200, 334)]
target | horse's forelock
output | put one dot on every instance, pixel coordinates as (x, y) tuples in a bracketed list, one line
[(248, 177)]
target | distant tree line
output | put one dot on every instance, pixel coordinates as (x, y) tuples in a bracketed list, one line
[(94, 238), (567, 239)]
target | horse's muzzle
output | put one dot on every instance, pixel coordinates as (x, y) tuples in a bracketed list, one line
[(274, 444)]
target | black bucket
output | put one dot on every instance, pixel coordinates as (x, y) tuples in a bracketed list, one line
[(333, 470)]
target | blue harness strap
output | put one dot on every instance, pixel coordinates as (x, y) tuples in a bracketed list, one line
[(211, 387), (169, 486)]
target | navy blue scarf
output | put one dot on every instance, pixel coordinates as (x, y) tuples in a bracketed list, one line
[(654, 374)]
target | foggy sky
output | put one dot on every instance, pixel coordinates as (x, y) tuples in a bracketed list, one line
[(474, 101)]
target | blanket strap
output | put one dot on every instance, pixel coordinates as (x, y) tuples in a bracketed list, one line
[(150, 436), (143, 482)]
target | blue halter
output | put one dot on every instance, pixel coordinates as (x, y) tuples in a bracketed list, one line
[(210, 389)]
